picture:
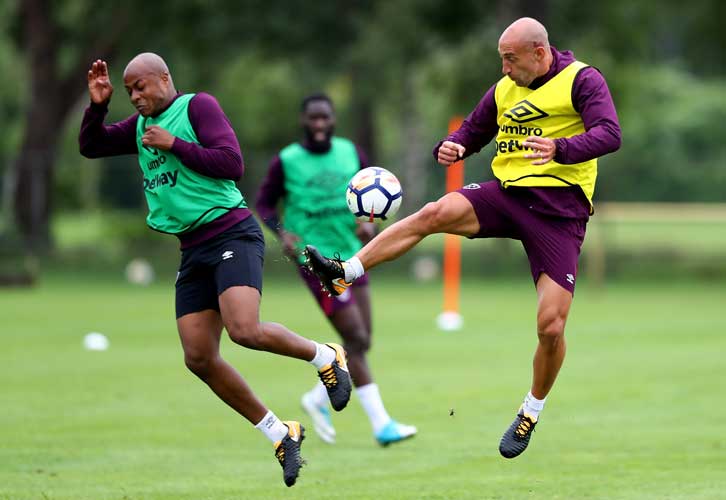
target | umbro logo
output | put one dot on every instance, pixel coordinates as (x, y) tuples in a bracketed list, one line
[(524, 111), (570, 279), (472, 186), (227, 255)]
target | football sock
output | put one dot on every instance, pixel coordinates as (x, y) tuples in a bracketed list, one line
[(319, 395), (272, 427), (370, 399), (532, 405), (353, 269), (324, 355)]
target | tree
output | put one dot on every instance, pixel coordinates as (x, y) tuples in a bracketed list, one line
[(61, 39), (54, 89)]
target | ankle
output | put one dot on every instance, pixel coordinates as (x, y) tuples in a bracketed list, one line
[(353, 269), (324, 355), (533, 406)]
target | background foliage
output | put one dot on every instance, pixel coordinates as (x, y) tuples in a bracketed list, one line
[(396, 70)]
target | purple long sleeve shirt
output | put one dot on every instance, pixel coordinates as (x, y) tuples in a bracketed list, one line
[(272, 188), (591, 98), (217, 155)]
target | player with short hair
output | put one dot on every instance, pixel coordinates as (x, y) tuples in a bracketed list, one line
[(308, 179), (190, 160), (551, 117)]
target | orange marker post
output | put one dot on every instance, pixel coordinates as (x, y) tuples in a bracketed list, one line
[(450, 319)]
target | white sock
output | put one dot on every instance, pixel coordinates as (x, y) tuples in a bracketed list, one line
[(353, 269), (319, 395), (272, 427), (370, 399), (532, 405), (324, 355)]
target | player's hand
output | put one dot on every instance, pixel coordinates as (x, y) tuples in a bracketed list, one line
[(450, 152), (289, 243), (365, 231), (157, 137), (99, 84), (543, 149)]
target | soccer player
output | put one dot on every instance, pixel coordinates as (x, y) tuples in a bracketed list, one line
[(551, 117), (190, 160), (308, 178)]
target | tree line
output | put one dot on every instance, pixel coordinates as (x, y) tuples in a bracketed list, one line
[(397, 70)]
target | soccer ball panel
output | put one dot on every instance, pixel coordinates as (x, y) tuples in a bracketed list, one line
[(374, 201), (373, 193)]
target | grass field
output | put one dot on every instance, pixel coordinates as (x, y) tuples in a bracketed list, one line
[(635, 414)]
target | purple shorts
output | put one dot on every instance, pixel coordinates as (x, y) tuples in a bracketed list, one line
[(330, 305), (552, 243)]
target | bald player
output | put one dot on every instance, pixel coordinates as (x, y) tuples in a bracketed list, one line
[(551, 116), (190, 159)]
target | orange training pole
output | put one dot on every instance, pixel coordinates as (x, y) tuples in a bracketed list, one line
[(450, 319)]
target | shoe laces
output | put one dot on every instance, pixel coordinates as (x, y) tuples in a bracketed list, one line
[(280, 454), (328, 377), (524, 427), (337, 262)]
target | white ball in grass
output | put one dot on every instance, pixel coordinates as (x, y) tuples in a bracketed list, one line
[(450, 321), (95, 341), (139, 272), (425, 269)]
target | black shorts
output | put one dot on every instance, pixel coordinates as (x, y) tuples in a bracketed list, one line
[(232, 258)]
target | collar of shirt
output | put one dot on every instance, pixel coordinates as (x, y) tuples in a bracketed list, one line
[(560, 60), (178, 94)]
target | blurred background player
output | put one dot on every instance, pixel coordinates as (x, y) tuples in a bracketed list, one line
[(308, 179), (190, 160), (551, 117)]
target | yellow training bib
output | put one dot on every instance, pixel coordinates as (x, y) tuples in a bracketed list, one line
[(546, 112)]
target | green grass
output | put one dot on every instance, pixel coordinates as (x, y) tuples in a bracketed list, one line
[(635, 413)]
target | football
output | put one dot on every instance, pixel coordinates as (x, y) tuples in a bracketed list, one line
[(373, 193)]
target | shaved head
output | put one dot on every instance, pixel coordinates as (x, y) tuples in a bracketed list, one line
[(147, 63), (149, 84), (525, 51), (526, 31)]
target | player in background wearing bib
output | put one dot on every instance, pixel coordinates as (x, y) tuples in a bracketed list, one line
[(308, 180), (551, 117), (190, 159)]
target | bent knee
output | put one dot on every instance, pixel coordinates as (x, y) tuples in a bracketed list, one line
[(450, 214), (551, 327), (199, 363), (357, 344), (432, 217), (246, 334)]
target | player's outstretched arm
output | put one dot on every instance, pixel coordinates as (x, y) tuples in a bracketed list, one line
[(99, 83)]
